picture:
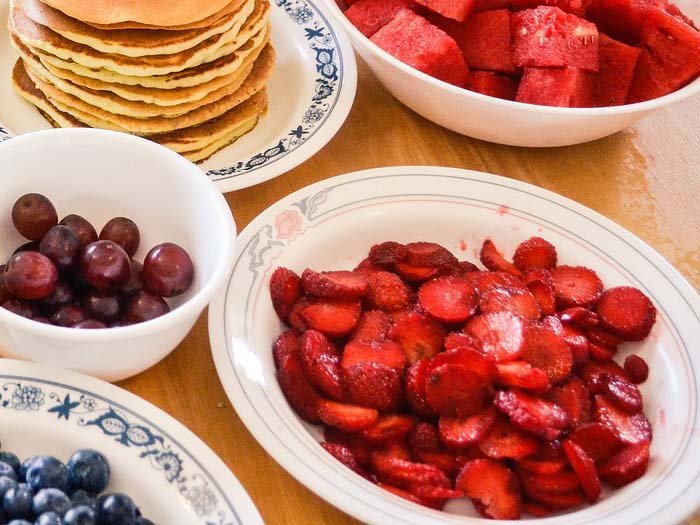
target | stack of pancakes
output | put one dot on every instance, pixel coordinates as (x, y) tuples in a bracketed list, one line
[(190, 75)]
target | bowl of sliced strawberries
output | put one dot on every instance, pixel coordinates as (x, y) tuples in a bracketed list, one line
[(530, 73), (432, 345)]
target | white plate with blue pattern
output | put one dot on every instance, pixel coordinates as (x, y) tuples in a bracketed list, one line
[(332, 224), (171, 475), (310, 94)]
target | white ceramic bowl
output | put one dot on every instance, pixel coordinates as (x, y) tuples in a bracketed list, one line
[(100, 175), (502, 121)]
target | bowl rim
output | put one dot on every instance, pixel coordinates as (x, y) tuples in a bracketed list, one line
[(195, 304), (360, 40)]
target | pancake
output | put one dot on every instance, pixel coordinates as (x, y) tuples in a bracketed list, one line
[(100, 118), (53, 45), (128, 42)]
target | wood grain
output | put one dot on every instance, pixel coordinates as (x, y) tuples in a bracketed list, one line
[(645, 178)]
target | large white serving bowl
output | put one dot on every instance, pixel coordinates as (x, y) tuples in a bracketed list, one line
[(502, 121), (100, 175)]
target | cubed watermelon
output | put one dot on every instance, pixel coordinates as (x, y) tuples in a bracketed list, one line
[(549, 37), (575, 7), (424, 46), (492, 84), (486, 42), (617, 62), (622, 19), (369, 16), (455, 9), (670, 57), (491, 5), (569, 87)]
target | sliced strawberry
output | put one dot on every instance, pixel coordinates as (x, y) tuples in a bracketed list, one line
[(416, 274), (516, 300), (502, 335), (365, 267), (494, 260), (387, 254), (522, 374), (320, 360), (636, 368), (494, 486), (626, 466), (548, 351), (574, 398), (361, 448), (542, 466), (434, 492), (484, 281), (295, 318), (382, 352), (334, 285), (333, 318), (455, 390), (296, 388), (577, 343), (624, 394), (424, 437), (597, 441), (599, 352), (428, 254), (461, 340), (576, 286), (584, 467), (448, 299), (416, 380), (560, 482), (462, 432), (592, 369), (536, 509), (350, 418), (287, 343), (580, 317), (603, 337), (442, 459), (401, 493), (418, 335), (388, 428), (631, 429), (373, 385), (346, 457), (458, 269), (403, 472), (626, 312), (535, 252), (285, 290), (468, 358), (556, 500), (374, 325), (503, 440), (386, 291), (532, 414), (539, 282)]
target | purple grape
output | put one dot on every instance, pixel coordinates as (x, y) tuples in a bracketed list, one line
[(83, 230), (145, 306), (103, 306), (5, 294), (62, 294), (168, 270), (90, 324), (33, 215), (31, 246), (62, 246), (20, 307), (135, 283), (68, 315), (30, 275), (124, 232), (105, 265)]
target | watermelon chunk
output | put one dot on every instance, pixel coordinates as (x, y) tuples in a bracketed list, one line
[(565, 87), (420, 44), (575, 7), (622, 19), (670, 57), (486, 41), (492, 84), (369, 16), (455, 9), (549, 37), (617, 62)]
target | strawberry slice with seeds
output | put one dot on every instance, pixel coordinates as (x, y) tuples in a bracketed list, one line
[(540, 284), (455, 390), (603, 337), (340, 284), (296, 388), (503, 440), (532, 414), (415, 383), (626, 466), (428, 254), (596, 440), (418, 335), (542, 466), (401, 493), (361, 449), (365, 267), (388, 428), (584, 467), (484, 281), (403, 472), (560, 482), (461, 432), (450, 300), (320, 360), (285, 290), (522, 374), (600, 353), (434, 492), (458, 269), (461, 340), (556, 500), (574, 398), (346, 457), (626, 312), (494, 486), (332, 317), (502, 334), (591, 371), (387, 254), (631, 429), (386, 291), (624, 394), (516, 300), (577, 343), (636, 368), (349, 418), (373, 385), (416, 274), (580, 317), (424, 438), (494, 260), (535, 252), (548, 351), (287, 343), (295, 318), (374, 325), (442, 459), (382, 352), (576, 286), (536, 509)]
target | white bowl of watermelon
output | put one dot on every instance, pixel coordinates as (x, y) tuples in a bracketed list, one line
[(519, 73)]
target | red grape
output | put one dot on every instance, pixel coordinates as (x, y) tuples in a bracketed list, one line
[(135, 283), (31, 246), (145, 306), (168, 270), (124, 232), (30, 275), (62, 246), (103, 306), (91, 324), (20, 307), (83, 230), (105, 265), (68, 315), (5, 295), (62, 294), (33, 215)]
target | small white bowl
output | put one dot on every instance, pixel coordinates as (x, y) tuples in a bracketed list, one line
[(99, 175), (502, 121)]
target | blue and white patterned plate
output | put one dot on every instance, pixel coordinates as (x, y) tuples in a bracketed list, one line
[(332, 224), (311, 92), (174, 477)]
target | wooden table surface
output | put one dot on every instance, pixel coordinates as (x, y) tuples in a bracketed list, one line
[(645, 178)]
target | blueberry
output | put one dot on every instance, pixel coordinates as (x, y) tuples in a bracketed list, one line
[(7, 470), (24, 467), (80, 497), (17, 501), (48, 518), (88, 470), (19, 522), (116, 509), (80, 515), (47, 472), (143, 521), (50, 500), (6, 484), (10, 459)]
